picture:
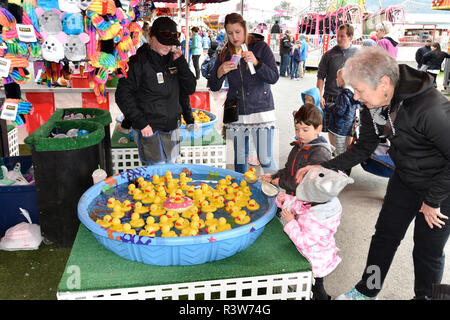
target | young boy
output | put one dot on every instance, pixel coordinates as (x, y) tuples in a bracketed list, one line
[(308, 149), (311, 96)]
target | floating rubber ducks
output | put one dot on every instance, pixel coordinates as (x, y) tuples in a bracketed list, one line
[(156, 180), (126, 228), (148, 196), (221, 189), (190, 191), (181, 223), (149, 231), (105, 222), (218, 202), (206, 207), (229, 179), (206, 190), (131, 188), (116, 225), (210, 220), (222, 225), (117, 211), (172, 215), (253, 205), (126, 206), (212, 228), (139, 208), (230, 195), (164, 221), (151, 222), (234, 211), (197, 222), (189, 231), (138, 194), (156, 210), (242, 218), (184, 178), (136, 221), (250, 176), (111, 203), (166, 232)]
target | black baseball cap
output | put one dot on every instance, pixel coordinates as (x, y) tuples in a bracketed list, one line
[(165, 30)]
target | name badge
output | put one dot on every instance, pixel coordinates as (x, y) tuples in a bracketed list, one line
[(26, 33), (5, 65), (160, 77), (9, 110)]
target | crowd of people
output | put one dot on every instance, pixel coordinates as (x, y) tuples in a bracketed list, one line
[(395, 102)]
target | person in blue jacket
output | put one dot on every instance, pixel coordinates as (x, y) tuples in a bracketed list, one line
[(342, 116), (303, 56), (312, 96), (251, 92)]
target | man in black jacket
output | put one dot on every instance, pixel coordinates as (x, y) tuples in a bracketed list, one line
[(155, 93), (421, 52), (285, 48)]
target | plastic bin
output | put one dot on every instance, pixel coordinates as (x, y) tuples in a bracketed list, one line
[(98, 115), (14, 197), (63, 168), (204, 129)]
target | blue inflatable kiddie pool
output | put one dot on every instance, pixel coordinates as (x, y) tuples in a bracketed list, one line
[(204, 129), (165, 251)]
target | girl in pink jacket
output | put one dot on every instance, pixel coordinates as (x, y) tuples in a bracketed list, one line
[(312, 222)]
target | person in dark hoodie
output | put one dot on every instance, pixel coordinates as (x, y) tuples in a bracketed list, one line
[(421, 52), (386, 38), (401, 104), (156, 92), (433, 60), (309, 148)]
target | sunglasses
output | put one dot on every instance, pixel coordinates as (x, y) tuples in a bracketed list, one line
[(170, 35)]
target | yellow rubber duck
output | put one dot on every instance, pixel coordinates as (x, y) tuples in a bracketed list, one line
[(228, 179), (136, 221), (212, 228), (250, 176), (172, 215), (210, 220), (144, 184), (253, 205), (229, 204), (151, 222), (190, 192), (131, 188), (166, 232), (206, 190), (149, 231), (112, 202), (116, 225), (181, 223), (246, 191), (183, 178), (242, 218), (219, 202), (105, 222), (161, 192), (242, 184), (139, 208), (207, 207), (197, 222), (156, 179), (171, 187), (138, 194), (126, 228), (190, 230), (156, 210), (117, 212), (198, 196), (222, 225), (221, 189), (164, 221), (149, 196), (241, 200), (158, 201), (184, 186), (126, 206), (234, 211)]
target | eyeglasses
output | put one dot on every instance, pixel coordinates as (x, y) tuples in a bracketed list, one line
[(170, 35)]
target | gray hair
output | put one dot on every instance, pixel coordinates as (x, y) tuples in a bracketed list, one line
[(369, 65), (386, 26)]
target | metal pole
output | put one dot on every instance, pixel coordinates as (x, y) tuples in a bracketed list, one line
[(242, 8), (186, 16)]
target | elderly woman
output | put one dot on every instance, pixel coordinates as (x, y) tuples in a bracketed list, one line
[(386, 38), (402, 105)]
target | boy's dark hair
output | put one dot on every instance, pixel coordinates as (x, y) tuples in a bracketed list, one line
[(309, 114)]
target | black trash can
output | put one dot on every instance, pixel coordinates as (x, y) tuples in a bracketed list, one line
[(63, 169), (98, 115)]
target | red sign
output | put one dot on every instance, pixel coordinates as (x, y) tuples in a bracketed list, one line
[(325, 42)]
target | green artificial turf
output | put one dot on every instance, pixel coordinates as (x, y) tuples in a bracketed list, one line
[(32, 274)]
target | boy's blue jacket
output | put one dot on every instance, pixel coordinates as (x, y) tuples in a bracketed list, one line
[(342, 113), (301, 155), (315, 94)]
